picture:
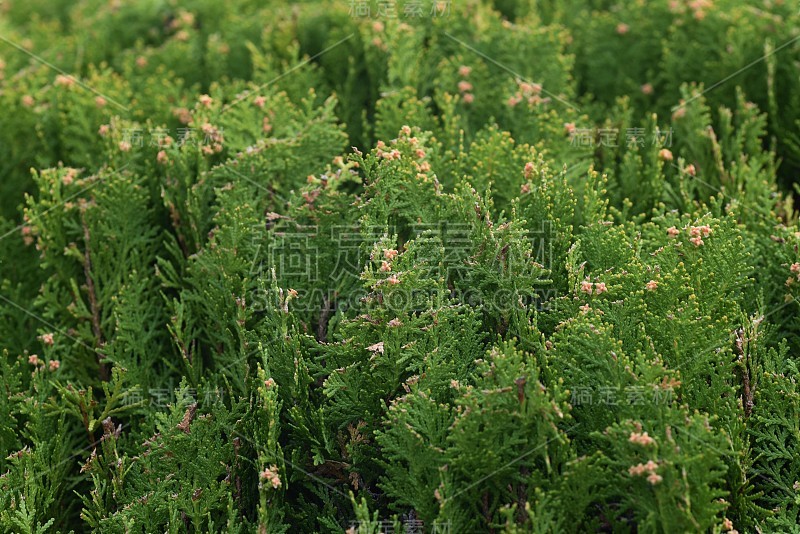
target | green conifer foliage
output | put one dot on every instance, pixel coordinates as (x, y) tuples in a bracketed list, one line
[(505, 266)]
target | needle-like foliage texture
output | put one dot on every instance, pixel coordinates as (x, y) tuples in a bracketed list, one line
[(325, 266)]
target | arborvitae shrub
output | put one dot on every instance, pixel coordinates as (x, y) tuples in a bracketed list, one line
[(505, 267)]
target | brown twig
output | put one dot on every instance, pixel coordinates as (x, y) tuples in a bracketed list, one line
[(522, 496), (175, 218), (93, 305), (324, 318), (487, 516)]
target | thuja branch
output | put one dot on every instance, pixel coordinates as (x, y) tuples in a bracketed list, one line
[(93, 305)]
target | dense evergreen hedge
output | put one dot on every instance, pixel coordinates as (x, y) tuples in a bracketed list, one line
[(511, 266)]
